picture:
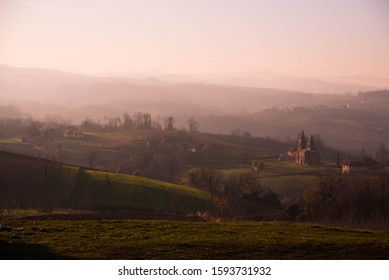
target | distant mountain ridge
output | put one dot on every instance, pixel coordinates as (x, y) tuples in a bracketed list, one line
[(14, 81), (42, 92), (269, 79), (301, 84)]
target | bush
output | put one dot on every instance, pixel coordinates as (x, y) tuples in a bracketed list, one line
[(352, 201)]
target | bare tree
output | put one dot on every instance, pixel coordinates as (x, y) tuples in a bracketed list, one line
[(156, 124), (193, 125), (114, 122), (143, 120), (323, 202), (246, 135), (206, 179), (92, 158), (127, 122), (34, 129), (382, 154), (3, 197), (138, 116), (147, 121), (236, 132), (169, 123)]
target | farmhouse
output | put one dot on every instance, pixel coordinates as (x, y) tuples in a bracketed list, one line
[(72, 132), (306, 152), (199, 148)]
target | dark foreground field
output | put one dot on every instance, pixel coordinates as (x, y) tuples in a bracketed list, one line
[(134, 239)]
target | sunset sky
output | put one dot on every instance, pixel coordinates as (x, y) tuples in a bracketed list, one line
[(301, 37)]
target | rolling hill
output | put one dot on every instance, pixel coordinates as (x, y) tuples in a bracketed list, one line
[(345, 121), (42, 92), (28, 182)]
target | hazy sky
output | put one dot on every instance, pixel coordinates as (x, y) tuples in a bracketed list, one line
[(300, 37)]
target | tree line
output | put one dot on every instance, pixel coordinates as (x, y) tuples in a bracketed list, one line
[(35, 129), (139, 120), (234, 196)]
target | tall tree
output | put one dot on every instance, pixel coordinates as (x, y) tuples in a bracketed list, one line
[(138, 116), (169, 123), (127, 121), (193, 125), (92, 158), (382, 154), (146, 121)]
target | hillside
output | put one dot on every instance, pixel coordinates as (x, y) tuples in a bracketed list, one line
[(28, 182), (40, 92), (135, 150), (171, 155), (350, 123)]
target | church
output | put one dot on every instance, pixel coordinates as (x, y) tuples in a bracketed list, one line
[(306, 152)]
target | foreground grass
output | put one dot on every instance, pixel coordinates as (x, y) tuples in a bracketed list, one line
[(128, 239)]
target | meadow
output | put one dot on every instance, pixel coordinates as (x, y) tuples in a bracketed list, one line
[(31, 183), (135, 239), (285, 178)]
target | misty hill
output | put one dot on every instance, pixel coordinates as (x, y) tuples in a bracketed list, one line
[(33, 83), (46, 92), (41, 90), (364, 80), (300, 84), (348, 121), (268, 79)]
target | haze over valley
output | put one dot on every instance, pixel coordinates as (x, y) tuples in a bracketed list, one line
[(220, 108), (196, 129)]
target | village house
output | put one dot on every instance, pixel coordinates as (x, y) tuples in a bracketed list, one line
[(72, 132), (197, 148), (358, 166)]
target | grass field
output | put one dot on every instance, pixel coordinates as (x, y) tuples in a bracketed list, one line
[(345, 122), (104, 190), (111, 147), (131, 239), (10, 140), (31, 183), (285, 178)]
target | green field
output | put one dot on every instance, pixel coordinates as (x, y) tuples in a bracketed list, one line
[(345, 122), (104, 190), (31, 183), (285, 178), (131, 239), (10, 140)]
